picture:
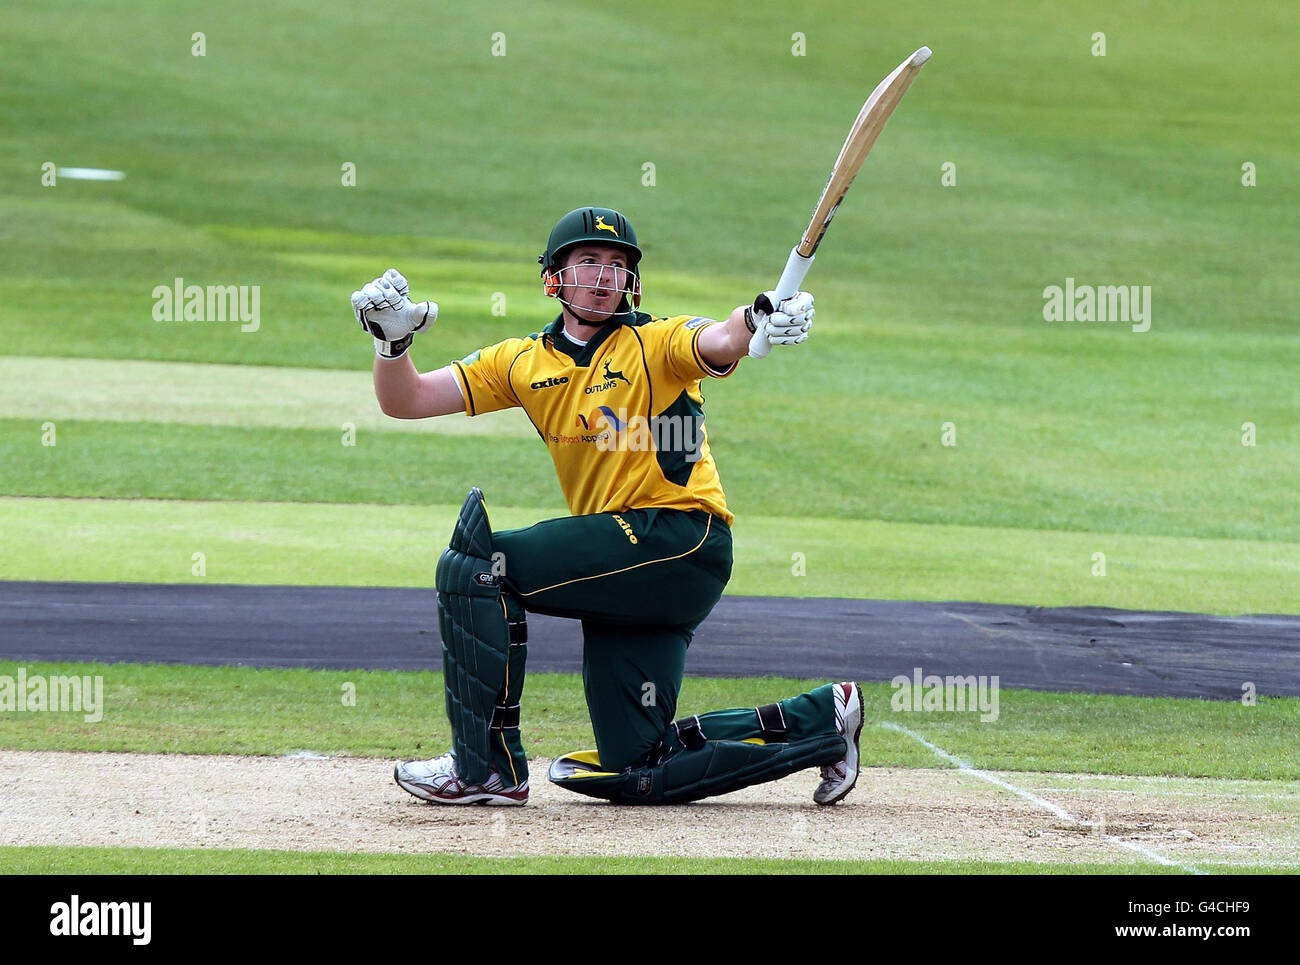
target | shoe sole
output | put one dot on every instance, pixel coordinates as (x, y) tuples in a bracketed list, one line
[(485, 798), (857, 755)]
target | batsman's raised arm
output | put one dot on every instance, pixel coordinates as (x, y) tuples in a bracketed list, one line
[(722, 345), (384, 309), (405, 393)]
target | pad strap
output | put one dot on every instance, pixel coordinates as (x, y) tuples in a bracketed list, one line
[(690, 734), (772, 719), (505, 717)]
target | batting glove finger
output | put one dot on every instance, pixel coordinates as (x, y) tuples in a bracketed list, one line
[(394, 278), (392, 298), (796, 304), (366, 303), (783, 323), (791, 339), (360, 304), (783, 333)]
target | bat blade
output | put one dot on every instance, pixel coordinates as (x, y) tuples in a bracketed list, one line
[(862, 135), (861, 138)]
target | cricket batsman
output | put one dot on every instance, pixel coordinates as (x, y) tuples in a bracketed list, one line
[(614, 394)]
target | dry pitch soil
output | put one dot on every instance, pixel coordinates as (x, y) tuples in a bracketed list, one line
[(352, 804)]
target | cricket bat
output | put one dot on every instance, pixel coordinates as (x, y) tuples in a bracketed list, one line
[(862, 135)]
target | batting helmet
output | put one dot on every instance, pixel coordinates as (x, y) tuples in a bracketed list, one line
[(603, 226)]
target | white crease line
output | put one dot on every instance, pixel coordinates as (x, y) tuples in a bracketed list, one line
[(967, 768), (1223, 794), (1166, 779)]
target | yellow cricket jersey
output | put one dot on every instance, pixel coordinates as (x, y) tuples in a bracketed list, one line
[(622, 415)]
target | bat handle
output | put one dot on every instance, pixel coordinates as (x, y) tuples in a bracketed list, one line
[(796, 267)]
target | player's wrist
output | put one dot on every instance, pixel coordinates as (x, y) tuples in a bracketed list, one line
[(394, 349)]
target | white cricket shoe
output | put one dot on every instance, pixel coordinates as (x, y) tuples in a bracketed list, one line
[(436, 781), (838, 778)]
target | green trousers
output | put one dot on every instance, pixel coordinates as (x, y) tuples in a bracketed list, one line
[(640, 581)]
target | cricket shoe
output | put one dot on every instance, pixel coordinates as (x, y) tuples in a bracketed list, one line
[(436, 781), (838, 778)]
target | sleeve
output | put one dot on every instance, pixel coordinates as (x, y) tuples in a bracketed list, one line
[(484, 376), (674, 344)]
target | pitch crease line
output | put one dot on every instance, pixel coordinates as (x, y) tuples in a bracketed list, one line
[(968, 768), (1193, 794)]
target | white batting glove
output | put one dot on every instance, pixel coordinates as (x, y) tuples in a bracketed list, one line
[(787, 323), (384, 309)]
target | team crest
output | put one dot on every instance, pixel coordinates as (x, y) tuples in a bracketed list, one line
[(609, 380), (611, 376)]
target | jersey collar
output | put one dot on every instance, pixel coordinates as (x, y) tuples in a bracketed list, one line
[(581, 354)]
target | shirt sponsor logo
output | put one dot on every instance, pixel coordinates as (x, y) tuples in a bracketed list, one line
[(549, 383), (620, 432), (697, 321), (612, 420)]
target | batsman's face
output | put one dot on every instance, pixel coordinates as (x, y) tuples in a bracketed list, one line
[(594, 280)]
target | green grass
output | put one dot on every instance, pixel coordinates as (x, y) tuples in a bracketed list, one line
[(1122, 169), (1038, 466), (223, 710), (169, 461), (1128, 162), (152, 861), (332, 544), (130, 391)]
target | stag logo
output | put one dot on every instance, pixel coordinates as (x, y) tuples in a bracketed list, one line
[(612, 376)]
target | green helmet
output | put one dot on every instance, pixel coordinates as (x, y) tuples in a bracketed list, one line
[(596, 225)]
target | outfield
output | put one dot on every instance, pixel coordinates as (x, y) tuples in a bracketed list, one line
[(129, 445)]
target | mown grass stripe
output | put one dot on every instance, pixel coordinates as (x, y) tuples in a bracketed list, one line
[(132, 390), (382, 545)]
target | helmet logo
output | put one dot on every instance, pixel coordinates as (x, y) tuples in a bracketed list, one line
[(601, 226)]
